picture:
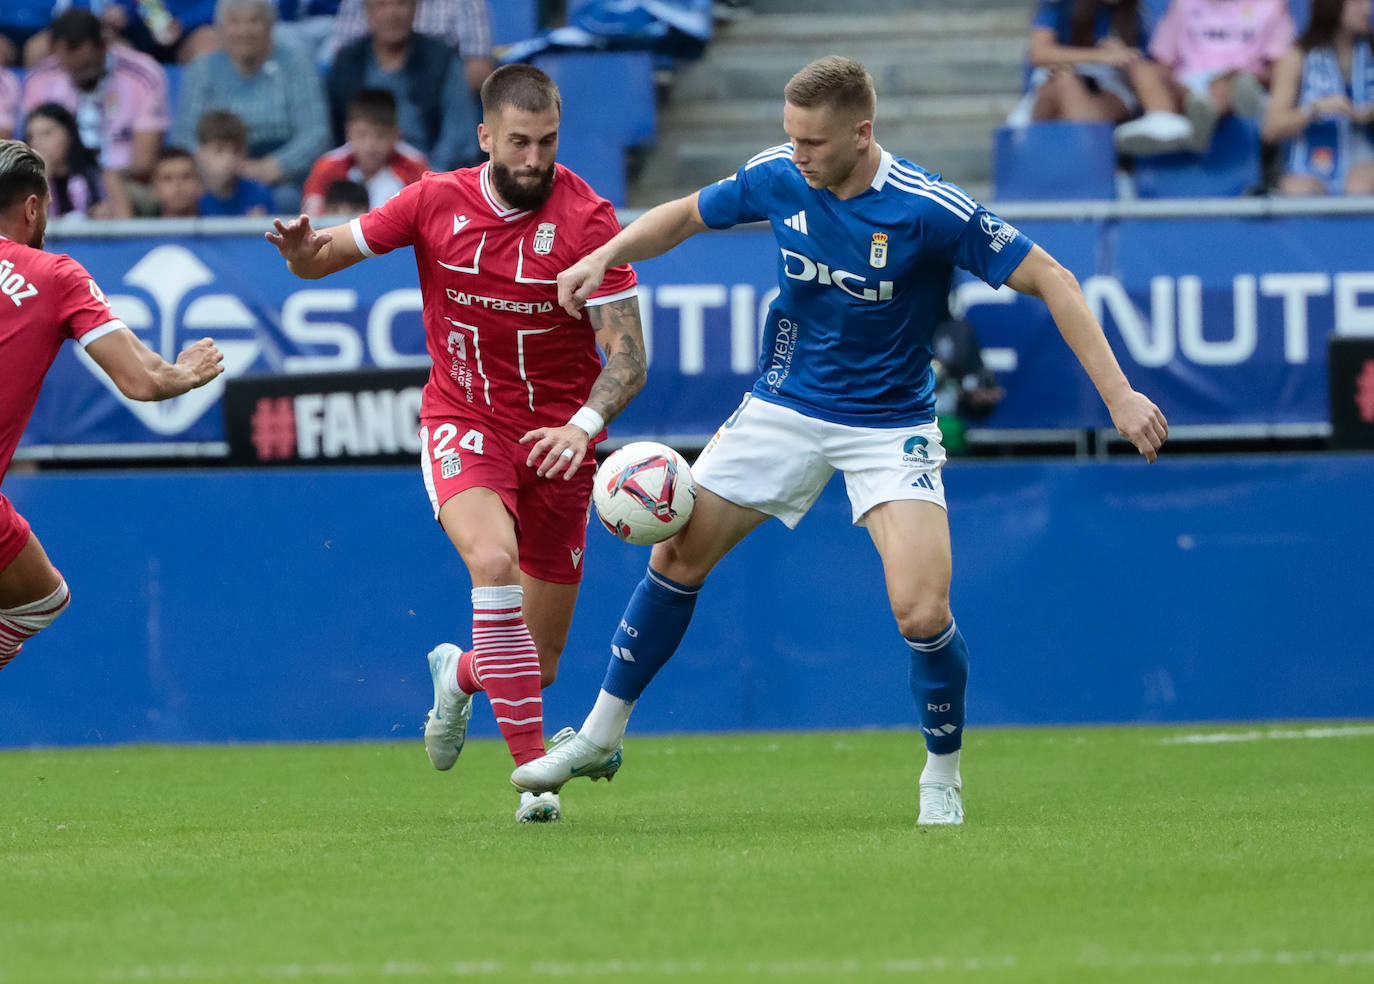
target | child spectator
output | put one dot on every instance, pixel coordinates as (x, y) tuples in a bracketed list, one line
[(1323, 104), (1222, 53), (176, 184), (1090, 65), (435, 108), (221, 149), (9, 103), (374, 155), (75, 182), (345, 198)]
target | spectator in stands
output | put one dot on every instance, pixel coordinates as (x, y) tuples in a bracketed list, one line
[(436, 112), (464, 24), (1090, 65), (221, 150), (373, 156), (273, 88), (176, 184), (1222, 54), (308, 25), (9, 103), (20, 22), (1323, 104), (172, 31), (346, 198), (75, 181), (118, 96)]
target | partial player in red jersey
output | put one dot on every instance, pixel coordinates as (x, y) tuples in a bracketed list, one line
[(516, 400), (44, 300)]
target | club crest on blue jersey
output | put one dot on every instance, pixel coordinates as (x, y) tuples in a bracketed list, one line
[(877, 252), (543, 238)]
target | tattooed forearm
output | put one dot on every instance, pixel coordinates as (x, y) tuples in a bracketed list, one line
[(620, 336)]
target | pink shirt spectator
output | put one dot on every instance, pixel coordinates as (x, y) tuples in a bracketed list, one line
[(1208, 37), (9, 101), (131, 98)]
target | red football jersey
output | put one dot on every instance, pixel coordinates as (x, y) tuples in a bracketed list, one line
[(45, 298), (504, 352)]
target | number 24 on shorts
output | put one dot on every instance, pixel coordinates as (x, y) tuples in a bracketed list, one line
[(444, 435)]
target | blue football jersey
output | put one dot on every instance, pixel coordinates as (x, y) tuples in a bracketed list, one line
[(863, 282)]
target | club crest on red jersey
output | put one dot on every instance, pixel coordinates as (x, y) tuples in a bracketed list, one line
[(543, 238)]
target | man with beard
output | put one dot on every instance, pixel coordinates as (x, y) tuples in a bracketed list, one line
[(516, 400), (118, 96), (48, 299)]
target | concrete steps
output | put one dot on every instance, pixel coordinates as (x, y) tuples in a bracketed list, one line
[(946, 77)]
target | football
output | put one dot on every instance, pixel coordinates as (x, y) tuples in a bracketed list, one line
[(644, 492)]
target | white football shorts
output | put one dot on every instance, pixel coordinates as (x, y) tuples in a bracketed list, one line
[(776, 460)]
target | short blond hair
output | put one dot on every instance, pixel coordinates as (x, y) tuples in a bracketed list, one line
[(840, 83)]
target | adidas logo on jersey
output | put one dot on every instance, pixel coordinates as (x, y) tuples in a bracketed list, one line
[(797, 222)]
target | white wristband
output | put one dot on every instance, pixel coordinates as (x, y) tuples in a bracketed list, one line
[(588, 420)]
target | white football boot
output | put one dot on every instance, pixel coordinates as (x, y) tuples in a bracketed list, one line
[(539, 808), (941, 805), (570, 755), (446, 726)]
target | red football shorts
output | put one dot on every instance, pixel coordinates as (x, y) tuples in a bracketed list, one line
[(14, 531), (550, 513)]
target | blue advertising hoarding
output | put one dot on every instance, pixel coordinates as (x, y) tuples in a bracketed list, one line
[(1222, 320)]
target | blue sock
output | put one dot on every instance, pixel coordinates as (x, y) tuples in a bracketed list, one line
[(649, 633), (939, 680)]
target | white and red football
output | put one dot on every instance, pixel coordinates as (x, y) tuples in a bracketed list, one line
[(644, 492)]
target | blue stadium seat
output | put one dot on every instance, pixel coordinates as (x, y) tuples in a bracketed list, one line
[(606, 90), (1230, 167), (1053, 160), (608, 106), (513, 20), (597, 158)]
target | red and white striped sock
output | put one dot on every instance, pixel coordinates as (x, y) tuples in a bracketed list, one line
[(25, 621), (506, 665)]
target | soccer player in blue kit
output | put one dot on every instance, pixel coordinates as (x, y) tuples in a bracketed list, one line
[(866, 241)]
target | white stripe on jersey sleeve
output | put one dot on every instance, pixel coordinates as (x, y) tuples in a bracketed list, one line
[(607, 298), (100, 332), (933, 195), (357, 228), (771, 154), (953, 191)]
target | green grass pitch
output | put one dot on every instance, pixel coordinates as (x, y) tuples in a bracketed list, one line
[(1141, 854)]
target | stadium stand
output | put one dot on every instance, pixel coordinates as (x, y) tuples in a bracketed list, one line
[(1053, 160), (947, 77), (1230, 167), (513, 20), (593, 141)]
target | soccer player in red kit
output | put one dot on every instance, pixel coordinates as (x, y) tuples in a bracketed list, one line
[(516, 400), (44, 300)]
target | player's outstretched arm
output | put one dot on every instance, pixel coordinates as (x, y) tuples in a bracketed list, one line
[(1135, 416), (142, 374), (313, 253), (621, 337), (652, 234)]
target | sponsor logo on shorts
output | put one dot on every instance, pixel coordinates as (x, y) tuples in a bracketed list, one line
[(576, 556), (914, 450), (452, 464)]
